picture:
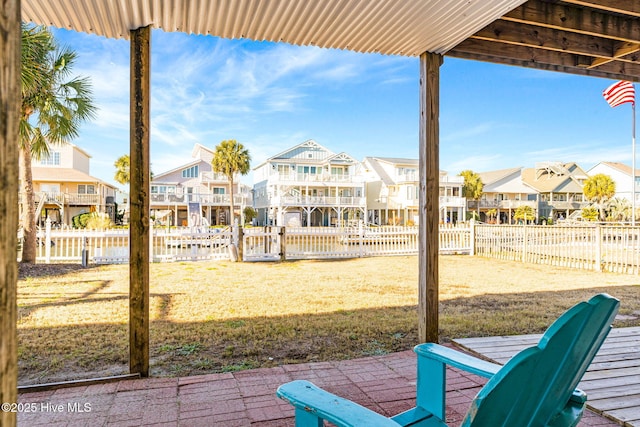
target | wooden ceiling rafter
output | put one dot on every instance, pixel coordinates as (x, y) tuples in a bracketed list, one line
[(599, 38)]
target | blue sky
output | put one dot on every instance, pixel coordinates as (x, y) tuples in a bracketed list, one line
[(273, 96)]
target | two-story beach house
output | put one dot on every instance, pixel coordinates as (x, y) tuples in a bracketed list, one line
[(392, 190), (503, 193), (308, 185), (64, 187), (194, 195), (559, 187)]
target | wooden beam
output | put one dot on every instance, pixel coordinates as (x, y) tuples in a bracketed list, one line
[(519, 34), (140, 97), (429, 197), (10, 36), (621, 50), (500, 53), (576, 19), (625, 7)]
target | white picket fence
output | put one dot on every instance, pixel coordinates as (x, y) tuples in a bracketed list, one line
[(258, 243), (112, 246), (588, 247)]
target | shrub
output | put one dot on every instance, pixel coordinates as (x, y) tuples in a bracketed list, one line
[(99, 221)]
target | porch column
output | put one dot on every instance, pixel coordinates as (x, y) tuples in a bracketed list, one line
[(9, 120), (139, 198), (429, 196)]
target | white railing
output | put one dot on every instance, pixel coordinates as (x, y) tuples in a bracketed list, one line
[(167, 199), (318, 201), (112, 246), (590, 247), (275, 177), (587, 247), (344, 242)]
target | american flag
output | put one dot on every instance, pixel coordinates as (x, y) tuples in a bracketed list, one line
[(620, 93)]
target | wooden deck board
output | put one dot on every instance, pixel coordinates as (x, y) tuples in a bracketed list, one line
[(612, 382)]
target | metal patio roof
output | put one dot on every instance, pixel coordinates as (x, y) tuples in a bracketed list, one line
[(590, 37), (406, 27)]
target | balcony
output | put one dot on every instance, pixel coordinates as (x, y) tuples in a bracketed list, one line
[(501, 204), (318, 201), (166, 199), (452, 201), (67, 199), (322, 178)]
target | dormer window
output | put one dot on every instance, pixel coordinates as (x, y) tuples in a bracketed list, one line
[(191, 172), (53, 159)]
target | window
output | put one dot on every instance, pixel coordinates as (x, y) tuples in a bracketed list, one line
[(53, 159), (411, 192), (86, 189), (191, 172), (218, 190), (160, 189)]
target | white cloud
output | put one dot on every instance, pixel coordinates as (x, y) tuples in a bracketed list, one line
[(479, 163)]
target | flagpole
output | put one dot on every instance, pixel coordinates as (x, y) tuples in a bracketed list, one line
[(633, 165)]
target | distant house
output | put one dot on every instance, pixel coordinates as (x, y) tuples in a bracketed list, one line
[(308, 185), (192, 194), (503, 192), (392, 190), (621, 175), (559, 187), (64, 187)]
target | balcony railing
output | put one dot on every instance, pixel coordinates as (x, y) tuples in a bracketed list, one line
[(318, 178), (65, 199), (501, 204), (318, 201), (205, 199), (452, 201)]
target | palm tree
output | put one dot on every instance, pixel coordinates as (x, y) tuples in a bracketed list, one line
[(599, 189), (229, 159), (472, 187), (53, 107), (525, 213), (619, 209), (123, 167)]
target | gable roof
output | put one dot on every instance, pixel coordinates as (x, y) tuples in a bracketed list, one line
[(490, 177), (398, 161), (564, 179), (621, 167), (201, 152), (373, 162), (56, 174), (308, 143)]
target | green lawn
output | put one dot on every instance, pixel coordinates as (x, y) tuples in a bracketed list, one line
[(221, 316)]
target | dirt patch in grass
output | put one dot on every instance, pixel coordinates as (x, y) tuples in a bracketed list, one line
[(221, 317)]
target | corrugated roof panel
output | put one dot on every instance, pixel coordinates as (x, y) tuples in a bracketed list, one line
[(407, 27)]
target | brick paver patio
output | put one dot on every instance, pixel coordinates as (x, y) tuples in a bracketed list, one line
[(385, 384)]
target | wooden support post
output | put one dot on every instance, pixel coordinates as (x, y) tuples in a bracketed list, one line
[(9, 121), (283, 243), (429, 197), (139, 202), (240, 243)]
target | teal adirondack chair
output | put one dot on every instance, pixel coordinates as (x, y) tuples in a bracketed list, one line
[(537, 387)]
